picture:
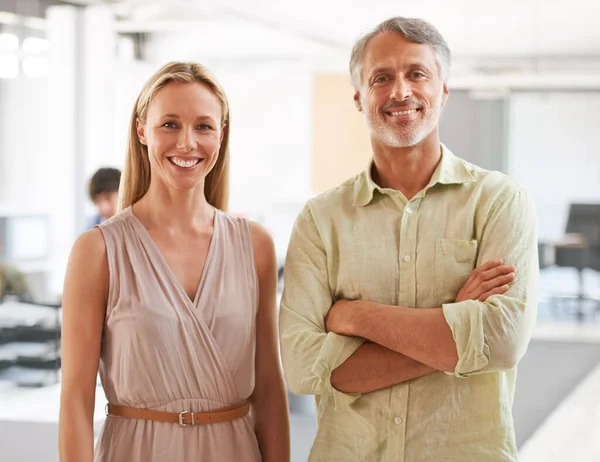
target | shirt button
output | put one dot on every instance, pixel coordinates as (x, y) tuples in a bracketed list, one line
[(409, 210), (406, 257), (398, 420)]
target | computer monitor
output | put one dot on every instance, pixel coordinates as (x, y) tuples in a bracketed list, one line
[(24, 237)]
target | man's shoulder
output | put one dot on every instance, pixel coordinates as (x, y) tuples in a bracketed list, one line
[(337, 198), (493, 182)]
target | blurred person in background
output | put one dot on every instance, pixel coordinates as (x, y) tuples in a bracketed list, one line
[(173, 300), (103, 191), (402, 310), (13, 282)]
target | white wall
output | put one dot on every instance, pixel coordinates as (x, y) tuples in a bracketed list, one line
[(554, 152), (272, 144), (23, 140), (129, 78), (271, 134), (97, 55)]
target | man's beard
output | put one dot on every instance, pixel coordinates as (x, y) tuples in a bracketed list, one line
[(405, 134)]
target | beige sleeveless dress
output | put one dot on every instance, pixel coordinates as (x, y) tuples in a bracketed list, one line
[(163, 351)]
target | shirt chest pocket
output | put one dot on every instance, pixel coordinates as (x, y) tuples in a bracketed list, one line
[(455, 259)]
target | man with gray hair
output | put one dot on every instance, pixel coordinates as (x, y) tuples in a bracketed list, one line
[(410, 290)]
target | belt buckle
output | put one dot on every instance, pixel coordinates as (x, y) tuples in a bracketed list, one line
[(181, 415)]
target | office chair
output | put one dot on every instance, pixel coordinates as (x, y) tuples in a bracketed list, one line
[(581, 247)]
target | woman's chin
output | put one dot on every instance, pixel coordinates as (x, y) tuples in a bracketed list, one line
[(186, 184)]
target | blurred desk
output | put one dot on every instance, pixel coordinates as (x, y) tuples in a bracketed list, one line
[(29, 422), (573, 251), (29, 343)]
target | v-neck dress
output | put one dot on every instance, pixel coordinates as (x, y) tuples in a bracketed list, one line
[(162, 351)]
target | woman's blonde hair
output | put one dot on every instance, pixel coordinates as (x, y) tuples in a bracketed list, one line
[(135, 180)]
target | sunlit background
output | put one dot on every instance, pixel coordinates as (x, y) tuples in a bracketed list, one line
[(524, 99)]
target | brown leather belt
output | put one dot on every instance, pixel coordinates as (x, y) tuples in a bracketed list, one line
[(185, 418)]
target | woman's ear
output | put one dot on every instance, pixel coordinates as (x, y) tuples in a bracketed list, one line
[(141, 131)]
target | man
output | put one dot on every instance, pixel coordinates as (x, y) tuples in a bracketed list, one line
[(104, 193), (398, 312)]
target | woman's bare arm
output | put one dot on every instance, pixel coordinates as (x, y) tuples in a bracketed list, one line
[(269, 400), (84, 304)]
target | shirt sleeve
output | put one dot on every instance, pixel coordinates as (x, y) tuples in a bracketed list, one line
[(494, 335), (309, 353)]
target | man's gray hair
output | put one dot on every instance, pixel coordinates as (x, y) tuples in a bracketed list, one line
[(414, 30)]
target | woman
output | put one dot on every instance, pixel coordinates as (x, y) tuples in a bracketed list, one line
[(173, 300)]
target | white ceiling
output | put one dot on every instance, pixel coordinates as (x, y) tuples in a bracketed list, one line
[(493, 36)]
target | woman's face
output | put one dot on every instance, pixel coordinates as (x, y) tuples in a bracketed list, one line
[(183, 134)]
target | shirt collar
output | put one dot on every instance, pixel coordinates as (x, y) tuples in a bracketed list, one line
[(450, 170)]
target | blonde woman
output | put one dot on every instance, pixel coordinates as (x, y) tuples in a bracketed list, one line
[(173, 300)]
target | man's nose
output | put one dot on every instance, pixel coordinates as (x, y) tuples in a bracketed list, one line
[(401, 90)]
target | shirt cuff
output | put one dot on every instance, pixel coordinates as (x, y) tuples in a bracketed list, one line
[(335, 350), (466, 323)]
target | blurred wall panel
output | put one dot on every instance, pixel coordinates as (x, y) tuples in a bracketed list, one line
[(554, 152), (474, 126), (64, 127), (341, 146)]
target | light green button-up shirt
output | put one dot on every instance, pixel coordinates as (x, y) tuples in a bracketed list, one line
[(360, 241)]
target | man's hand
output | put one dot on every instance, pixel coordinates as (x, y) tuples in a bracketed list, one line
[(340, 317), (489, 279)]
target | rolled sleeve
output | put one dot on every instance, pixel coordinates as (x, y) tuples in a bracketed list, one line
[(310, 354), (494, 335), (466, 323), (335, 350)]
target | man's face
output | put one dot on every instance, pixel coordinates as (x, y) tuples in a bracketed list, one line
[(402, 92), (106, 203)]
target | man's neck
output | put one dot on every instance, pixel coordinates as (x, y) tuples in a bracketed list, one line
[(407, 170)]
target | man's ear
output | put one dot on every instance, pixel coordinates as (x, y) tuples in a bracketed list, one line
[(139, 127), (357, 101), (445, 94)]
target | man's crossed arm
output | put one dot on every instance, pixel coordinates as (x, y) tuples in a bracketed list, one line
[(404, 343)]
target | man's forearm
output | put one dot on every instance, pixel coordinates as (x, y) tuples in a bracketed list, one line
[(373, 367), (419, 333)]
